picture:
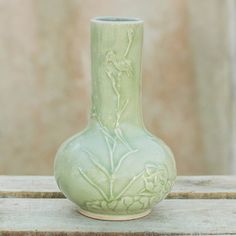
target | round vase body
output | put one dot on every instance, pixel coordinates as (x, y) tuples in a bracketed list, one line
[(115, 169)]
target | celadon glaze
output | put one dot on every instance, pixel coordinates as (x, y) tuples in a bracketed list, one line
[(115, 169)]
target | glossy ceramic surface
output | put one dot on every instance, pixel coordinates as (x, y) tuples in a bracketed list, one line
[(115, 169)]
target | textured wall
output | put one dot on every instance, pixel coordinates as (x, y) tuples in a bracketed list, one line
[(45, 79), (210, 39)]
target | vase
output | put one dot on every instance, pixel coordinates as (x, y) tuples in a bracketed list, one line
[(115, 169)]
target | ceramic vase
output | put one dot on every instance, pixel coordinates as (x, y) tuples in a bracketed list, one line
[(115, 169)]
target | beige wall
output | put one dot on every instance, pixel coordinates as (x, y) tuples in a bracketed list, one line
[(45, 79)]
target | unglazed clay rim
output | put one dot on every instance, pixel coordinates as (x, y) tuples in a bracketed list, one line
[(98, 216), (116, 20)]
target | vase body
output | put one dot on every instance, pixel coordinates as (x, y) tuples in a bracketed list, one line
[(115, 169)]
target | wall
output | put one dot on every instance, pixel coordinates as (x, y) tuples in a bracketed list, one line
[(45, 79)]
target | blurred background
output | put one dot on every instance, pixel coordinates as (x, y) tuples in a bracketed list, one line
[(189, 79)]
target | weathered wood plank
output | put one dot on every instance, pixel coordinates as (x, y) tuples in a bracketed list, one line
[(171, 217), (204, 187), (29, 186), (193, 187)]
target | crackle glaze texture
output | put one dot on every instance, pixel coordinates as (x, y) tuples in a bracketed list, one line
[(115, 167)]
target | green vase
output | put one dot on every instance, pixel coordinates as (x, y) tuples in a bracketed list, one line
[(115, 169)]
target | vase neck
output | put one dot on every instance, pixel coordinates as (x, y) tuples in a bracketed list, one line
[(116, 48)]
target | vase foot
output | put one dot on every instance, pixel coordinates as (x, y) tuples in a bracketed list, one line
[(113, 217)]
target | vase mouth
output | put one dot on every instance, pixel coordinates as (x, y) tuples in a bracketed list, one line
[(116, 20)]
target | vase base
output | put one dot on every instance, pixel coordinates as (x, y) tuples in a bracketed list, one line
[(113, 217)]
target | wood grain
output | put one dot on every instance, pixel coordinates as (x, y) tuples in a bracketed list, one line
[(188, 187), (29, 187), (171, 217)]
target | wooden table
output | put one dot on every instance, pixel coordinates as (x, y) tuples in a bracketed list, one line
[(198, 205)]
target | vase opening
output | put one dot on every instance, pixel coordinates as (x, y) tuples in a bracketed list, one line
[(113, 19)]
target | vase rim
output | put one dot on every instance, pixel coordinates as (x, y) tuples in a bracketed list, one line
[(116, 20)]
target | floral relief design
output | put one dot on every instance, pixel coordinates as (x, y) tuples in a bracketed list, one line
[(156, 186), (155, 178)]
